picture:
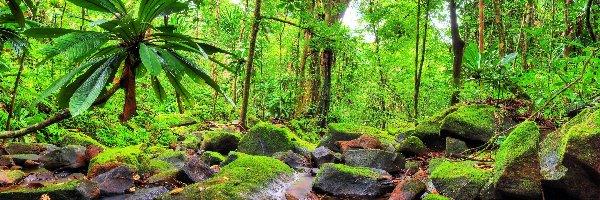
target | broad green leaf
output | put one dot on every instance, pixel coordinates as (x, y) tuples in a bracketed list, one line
[(508, 59), (15, 9), (159, 90), (86, 94), (105, 6), (47, 32), (75, 45), (179, 89), (150, 59)]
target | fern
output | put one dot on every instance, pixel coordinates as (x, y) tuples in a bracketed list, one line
[(17, 43), (75, 46)]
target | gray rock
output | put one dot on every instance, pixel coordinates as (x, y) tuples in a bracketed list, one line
[(455, 146), (322, 155), (375, 158), (115, 181), (195, 171), (292, 159), (148, 193), (67, 158), (346, 181)]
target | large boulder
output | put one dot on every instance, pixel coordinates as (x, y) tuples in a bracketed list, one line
[(10, 177), (517, 170), (412, 146), (346, 132), (247, 177), (71, 157), (133, 157), (355, 182), (459, 180), (222, 142), (265, 139), (375, 158), (77, 138), (115, 181), (72, 190), (195, 171), (570, 160), (28, 148), (429, 129), (472, 123)]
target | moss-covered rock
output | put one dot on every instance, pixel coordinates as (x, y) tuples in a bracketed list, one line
[(412, 146), (247, 177), (435, 197), (346, 132), (176, 158), (569, 157), (455, 146), (517, 169), (459, 180), (11, 176), (429, 129), (375, 158), (77, 138), (191, 141), (222, 142), (266, 139), (160, 165), (476, 123), (67, 190), (212, 158), (346, 181), (132, 156)]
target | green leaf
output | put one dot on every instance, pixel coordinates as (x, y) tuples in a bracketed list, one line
[(105, 6), (86, 94), (210, 49), (15, 9), (76, 45), (159, 90), (508, 59), (47, 32), (179, 89), (150, 59)]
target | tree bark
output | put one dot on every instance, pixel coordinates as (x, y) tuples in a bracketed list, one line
[(128, 86), (481, 28), (568, 29), (417, 44), (419, 71), (500, 26), (249, 65), (588, 21), (458, 48), (13, 98)]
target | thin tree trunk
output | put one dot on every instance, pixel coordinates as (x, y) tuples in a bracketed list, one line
[(13, 98), (128, 85), (458, 48), (249, 65), (500, 27), (588, 21), (82, 19), (213, 70), (481, 28), (568, 29), (422, 62), (417, 44), (63, 14)]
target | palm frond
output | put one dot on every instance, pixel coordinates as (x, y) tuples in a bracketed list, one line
[(15, 40), (75, 46)]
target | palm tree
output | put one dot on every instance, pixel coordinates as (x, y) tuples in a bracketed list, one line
[(127, 42)]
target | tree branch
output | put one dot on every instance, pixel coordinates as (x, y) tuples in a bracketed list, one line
[(62, 115)]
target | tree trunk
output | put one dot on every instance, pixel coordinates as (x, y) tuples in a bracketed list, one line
[(588, 21), (327, 60), (458, 48), (481, 28), (128, 85), (568, 29), (500, 27), (419, 71), (13, 98), (249, 65), (417, 44)]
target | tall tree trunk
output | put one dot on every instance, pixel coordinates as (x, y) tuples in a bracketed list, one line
[(419, 71), (213, 67), (568, 29), (588, 21), (458, 48), (500, 27), (528, 22), (481, 28), (249, 65), (128, 86), (13, 96)]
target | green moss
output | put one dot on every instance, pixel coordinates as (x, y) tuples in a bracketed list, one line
[(436, 162), (132, 156), (412, 145), (191, 141), (14, 175), (171, 120), (70, 185), (266, 139), (449, 171), (219, 141), (160, 165), (521, 142), (435, 197), (153, 150), (212, 158), (580, 136), (245, 176), (430, 128), (473, 121), (162, 176), (300, 142), (77, 138), (354, 171)]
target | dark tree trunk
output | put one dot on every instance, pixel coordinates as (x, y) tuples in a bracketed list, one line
[(458, 48), (419, 71), (500, 26), (249, 65), (327, 60), (13, 98), (128, 86)]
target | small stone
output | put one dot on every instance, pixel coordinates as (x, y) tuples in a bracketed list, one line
[(292, 159), (6, 160), (148, 193), (360, 182), (322, 155), (11, 177), (408, 190)]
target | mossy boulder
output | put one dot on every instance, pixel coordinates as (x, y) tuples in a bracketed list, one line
[(212, 158), (455, 146), (66, 190), (292, 159), (191, 141), (354, 182), (459, 180), (78, 138), (247, 177), (517, 170), (473, 123), (569, 157), (375, 158), (133, 157), (175, 158), (429, 129), (346, 132), (266, 139), (160, 165), (222, 142), (412, 146)]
